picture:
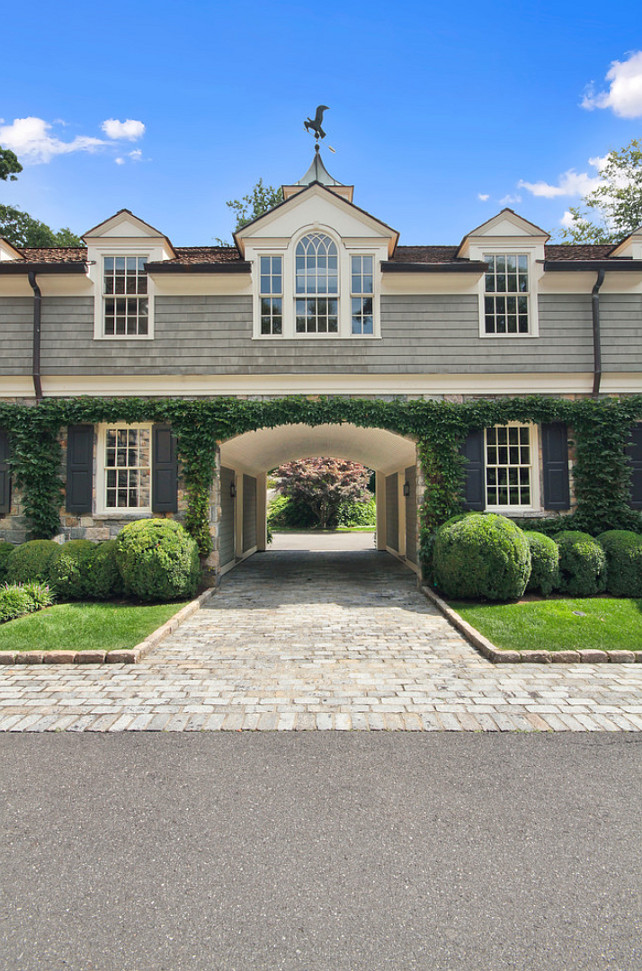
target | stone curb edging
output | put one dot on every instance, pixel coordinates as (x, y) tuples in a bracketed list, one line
[(499, 656), (132, 656)]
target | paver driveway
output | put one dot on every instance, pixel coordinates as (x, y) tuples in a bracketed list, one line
[(303, 640)]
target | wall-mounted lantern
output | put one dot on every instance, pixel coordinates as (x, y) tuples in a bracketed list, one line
[(232, 490), (406, 489)]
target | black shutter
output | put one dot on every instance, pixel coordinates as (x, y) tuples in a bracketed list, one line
[(634, 451), (473, 451), (164, 470), (80, 465), (555, 456), (5, 476)]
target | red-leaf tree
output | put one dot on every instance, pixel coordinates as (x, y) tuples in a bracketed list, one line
[(323, 485)]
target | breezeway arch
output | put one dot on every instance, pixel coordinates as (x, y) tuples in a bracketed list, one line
[(239, 509)]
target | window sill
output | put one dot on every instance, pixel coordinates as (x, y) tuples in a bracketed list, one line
[(526, 511), (124, 514), (317, 337), (502, 337), (124, 337)]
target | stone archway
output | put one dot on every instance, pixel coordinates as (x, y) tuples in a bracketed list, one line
[(245, 460)]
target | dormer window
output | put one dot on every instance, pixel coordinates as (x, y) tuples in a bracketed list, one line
[(506, 294), (271, 295), (125, 300), (361, 294), (317, 285)]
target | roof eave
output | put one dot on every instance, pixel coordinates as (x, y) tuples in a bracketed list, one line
[(620, 265), (9, 268), (242, 266), (474, 266)]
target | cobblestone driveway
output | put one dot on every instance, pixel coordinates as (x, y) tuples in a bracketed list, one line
[(298, 640)]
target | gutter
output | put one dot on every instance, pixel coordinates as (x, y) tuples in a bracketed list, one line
[(13, 267), (37, 306), (473, 266), (597, 349), (239, 266)]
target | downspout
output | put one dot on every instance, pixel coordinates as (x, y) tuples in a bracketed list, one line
[(597, 349), (37, 304)]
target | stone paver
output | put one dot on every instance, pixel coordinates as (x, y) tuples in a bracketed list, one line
[(303, 641)]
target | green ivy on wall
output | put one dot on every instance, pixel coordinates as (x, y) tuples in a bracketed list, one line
[(600, 428)]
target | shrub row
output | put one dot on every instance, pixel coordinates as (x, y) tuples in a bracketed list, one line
[(151, 560), (486, 556)]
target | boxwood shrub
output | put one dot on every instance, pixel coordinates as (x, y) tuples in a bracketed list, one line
[(5, 549), (18, 599), (31, 561), (103, 579), (545, 563), (623, 562), (158, 560), (481, 557), (582, 564), (68, 570)]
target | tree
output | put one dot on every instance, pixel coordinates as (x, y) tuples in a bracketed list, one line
[(324, 485), (261, 199), (9, 165), (617, 201), (20, 229)]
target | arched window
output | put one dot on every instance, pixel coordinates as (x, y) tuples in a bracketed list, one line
[(317, 285)]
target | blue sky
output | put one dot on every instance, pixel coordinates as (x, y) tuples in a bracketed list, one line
[(432, 106)]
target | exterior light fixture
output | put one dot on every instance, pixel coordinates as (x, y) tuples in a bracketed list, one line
[(232, 490), (406, 489)]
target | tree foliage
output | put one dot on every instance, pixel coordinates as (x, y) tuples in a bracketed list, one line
[(258, 201), (9, 165), (20, 229), (613, 210), (324, 485)]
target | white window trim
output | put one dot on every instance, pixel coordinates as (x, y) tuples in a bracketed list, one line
[(101, 506), (133, 248), (535, 272), (535, 503), (288, 254)]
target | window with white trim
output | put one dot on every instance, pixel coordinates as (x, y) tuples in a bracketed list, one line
[(506, 294), (127, 469), (317, 285), (271, 294), (509, 465), (361, 291), (125, 300)]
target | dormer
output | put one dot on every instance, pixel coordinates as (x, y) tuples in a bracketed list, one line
[(630, 247), (118, 251), (513, 249), (316, 262)]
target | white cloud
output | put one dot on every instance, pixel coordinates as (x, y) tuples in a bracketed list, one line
[(509, 199), (119, 161), (570, 183), (483, 196), (567, 220), (130, 130), (136, 155), (31, 140), (624, 96)]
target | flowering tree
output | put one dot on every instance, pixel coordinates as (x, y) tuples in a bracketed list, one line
[(324, 485)]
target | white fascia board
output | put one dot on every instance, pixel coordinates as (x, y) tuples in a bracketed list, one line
[(8, 251), (125, 224)]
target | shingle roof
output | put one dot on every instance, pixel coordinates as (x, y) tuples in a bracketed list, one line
[(578, 251), (55, 254), (188, 255)]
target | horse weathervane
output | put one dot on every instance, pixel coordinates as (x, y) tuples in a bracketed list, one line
[(315, 125)]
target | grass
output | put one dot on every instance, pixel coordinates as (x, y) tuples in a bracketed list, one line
[(339, 529), (602, 623), (85, 626)]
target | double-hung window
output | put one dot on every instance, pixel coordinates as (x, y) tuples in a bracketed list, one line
[(509, 466), (127, 468), (317, 285), (125, 300), (271, 294), (506, 294), (361, 288)]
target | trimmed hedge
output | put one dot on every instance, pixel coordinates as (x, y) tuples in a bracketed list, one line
[(5, 550), (545, 561), (624, 562), (68, 570), (31, 561), (158, 560), (481, 557), (102, 576), (582, 565)]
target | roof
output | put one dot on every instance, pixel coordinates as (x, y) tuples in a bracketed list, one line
[(318, 172)]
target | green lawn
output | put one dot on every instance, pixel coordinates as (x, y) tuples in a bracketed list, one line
[(85, 626), (603, 623)]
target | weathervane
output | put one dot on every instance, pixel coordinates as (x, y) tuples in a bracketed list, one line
[(314, 125)]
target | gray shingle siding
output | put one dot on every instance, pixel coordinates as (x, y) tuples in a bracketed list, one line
[(420, 334)]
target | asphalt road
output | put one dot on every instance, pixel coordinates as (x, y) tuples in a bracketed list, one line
[(320, 851)]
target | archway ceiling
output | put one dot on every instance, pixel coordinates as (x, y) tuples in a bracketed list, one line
[(269, 447)]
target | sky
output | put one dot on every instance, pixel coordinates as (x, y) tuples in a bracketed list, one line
[(439, 114)]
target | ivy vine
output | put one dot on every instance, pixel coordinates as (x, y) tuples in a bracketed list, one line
[(601, 430)]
